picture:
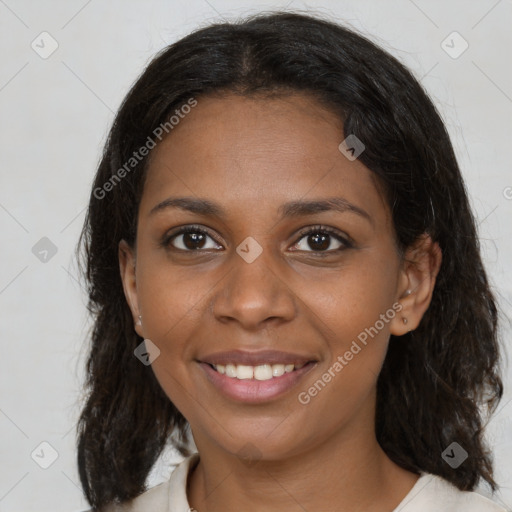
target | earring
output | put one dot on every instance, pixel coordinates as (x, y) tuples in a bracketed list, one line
[(139, 321), (404, 320), (407, 293)]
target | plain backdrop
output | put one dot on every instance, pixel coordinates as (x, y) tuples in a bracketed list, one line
[(55, 111)]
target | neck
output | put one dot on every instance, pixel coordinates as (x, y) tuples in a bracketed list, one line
[(347, 472)]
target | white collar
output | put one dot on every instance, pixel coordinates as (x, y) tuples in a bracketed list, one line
[(178, 501)]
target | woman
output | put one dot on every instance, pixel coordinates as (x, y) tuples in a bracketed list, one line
[(284, 269)]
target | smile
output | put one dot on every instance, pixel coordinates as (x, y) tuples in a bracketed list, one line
[(260, 372), (255, 384)]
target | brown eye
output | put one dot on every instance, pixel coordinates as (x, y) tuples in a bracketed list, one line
[(321, 239), (190, 239)]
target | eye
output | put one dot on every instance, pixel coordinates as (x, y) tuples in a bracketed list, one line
[(320, 239), (189, 238)]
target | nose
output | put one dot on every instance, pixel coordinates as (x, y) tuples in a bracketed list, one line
[(255, 294)]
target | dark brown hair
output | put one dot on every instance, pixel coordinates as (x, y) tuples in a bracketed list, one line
[(433, 380)]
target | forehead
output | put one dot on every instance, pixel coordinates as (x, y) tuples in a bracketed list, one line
[(254, 152)]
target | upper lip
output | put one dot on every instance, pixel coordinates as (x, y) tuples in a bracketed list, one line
[(255, 358)]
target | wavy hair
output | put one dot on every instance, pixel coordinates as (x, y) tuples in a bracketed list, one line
[(435, 382)]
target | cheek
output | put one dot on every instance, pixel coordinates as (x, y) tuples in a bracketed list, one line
[(354, 314), (171, 301), (345, 382), (352, 300)]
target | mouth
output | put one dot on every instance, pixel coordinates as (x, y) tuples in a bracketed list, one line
[(255, 377)]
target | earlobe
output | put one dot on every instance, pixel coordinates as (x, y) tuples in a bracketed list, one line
[(421, 264), (127, 269)]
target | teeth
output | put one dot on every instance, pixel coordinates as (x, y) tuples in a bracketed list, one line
[(277, 370), (261, 372), (244, 372), (231, 370)]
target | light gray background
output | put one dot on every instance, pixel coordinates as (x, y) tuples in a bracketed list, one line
[(54, 116)]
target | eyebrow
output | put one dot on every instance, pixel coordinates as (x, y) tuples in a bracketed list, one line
[(288, 210)]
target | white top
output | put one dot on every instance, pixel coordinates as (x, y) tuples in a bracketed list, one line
[(429, 494)]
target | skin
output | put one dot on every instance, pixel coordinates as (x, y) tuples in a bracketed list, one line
[(251, 155)]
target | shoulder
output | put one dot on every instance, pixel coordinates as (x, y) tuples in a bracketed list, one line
[(433, 493)]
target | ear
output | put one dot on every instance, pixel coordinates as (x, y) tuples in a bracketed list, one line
[(127, 268), (420, 266)]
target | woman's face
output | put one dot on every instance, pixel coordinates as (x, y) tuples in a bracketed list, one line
[(266, 277)]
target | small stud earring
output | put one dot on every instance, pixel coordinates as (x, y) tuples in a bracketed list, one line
[(407, 293), (404, 320), (139, 321)]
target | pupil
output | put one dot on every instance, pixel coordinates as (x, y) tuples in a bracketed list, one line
[(322, 241), (190, 240)]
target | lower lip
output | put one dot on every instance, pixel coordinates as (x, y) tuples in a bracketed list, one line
[(252, 390)]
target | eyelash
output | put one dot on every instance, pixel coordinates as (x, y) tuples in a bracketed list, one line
[(345, 241)]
